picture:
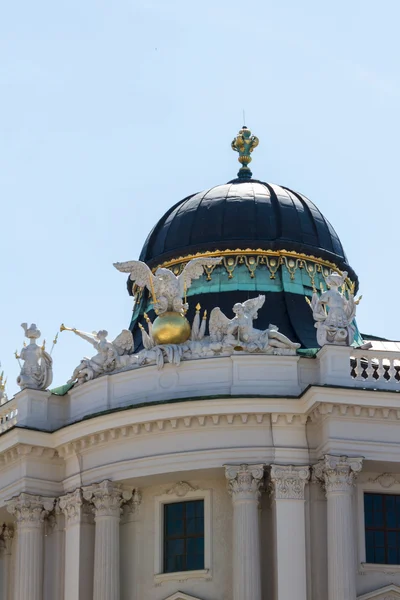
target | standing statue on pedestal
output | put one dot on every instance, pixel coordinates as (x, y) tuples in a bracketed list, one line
[(240, 334), (37, 370), (109, 355), (334, 313)]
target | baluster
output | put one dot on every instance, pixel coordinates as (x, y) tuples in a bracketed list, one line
[(392, 371), (370, 370), (358, 369)]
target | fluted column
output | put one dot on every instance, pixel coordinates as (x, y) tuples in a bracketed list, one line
[(338, 475), (79, 546), (244, 483), (29, 512), (107, 499), (130, 541), (7, 539), (287, 487)]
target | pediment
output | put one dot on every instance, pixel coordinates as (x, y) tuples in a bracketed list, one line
[(389, 592), (181, 596)]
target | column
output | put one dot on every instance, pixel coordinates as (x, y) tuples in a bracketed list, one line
[(54, 559), (79, 546), (7, 539), (244, 482), (107, 498), (338, 475), (287, 486), (30, 512)]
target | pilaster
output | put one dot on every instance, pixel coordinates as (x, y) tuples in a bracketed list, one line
[(244, 483), (287, 489)]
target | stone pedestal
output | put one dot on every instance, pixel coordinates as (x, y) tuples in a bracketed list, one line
[(29, 512), (338, 474), (79, 546), (244, 485), (287, 486), (107, 499)]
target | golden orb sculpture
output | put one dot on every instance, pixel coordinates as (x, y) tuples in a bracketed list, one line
[(171, 328)]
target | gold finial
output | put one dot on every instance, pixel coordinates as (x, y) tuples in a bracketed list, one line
[(205, 315), (244, 143), (141, 327), (147, 318), (198, 307)]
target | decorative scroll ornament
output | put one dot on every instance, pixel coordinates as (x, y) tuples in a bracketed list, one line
[(244, 143), (334, 313), (181, 489), (244, 481), (337, 473), (288, 482), (37, 369)]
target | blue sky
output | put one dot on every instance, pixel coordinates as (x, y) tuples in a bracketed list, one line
[(113, 111)]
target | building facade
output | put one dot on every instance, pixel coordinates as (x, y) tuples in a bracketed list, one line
[(230, 461)]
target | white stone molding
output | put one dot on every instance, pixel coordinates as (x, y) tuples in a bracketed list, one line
[(338, 474), (244, 484), (287, 484), (389, 592), (29, 512), (107, 498), (288, 481), (385, 480), (168, 498), (181, 489)]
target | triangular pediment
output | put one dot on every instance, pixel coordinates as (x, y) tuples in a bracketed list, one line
[(389, 592), (181, 596)]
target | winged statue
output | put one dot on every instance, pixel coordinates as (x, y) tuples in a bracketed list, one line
[(166, 288), (239, 331), (109, 355), (334, 313)]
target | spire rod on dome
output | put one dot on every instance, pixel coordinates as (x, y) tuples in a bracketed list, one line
[(244, 143)]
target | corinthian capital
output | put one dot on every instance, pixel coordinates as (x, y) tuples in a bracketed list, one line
[(337, 473), (244, 481), (29, 509), (288, 482), (107, 498)]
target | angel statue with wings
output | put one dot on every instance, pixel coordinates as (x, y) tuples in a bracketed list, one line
[(167, 290), (334, 313), (240, 333), (110, 355)]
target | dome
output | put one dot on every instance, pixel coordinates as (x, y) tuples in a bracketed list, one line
[(272, 241), (244, 214)]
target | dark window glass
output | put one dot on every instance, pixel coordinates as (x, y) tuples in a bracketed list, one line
[(184, 536), (382, 528)]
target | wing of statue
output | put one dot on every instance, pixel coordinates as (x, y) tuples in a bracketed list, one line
[(218, 325), (123, 343), (253, 305), (193, 270), (140, 273)]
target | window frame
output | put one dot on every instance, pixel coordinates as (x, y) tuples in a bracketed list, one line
[(186, 536), (372, 486), (173, 498)]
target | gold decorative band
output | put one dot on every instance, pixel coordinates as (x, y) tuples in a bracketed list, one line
[(272, 259)]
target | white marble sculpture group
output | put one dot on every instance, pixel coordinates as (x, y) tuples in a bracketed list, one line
[(333, 312)]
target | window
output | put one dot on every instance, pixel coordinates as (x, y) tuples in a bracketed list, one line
[(382, 528), (184, 536)]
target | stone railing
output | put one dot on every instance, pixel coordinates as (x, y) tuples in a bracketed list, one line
[(375, 369), (8, 415)]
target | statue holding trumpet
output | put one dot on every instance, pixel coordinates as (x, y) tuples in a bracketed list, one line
[(109, 355)]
